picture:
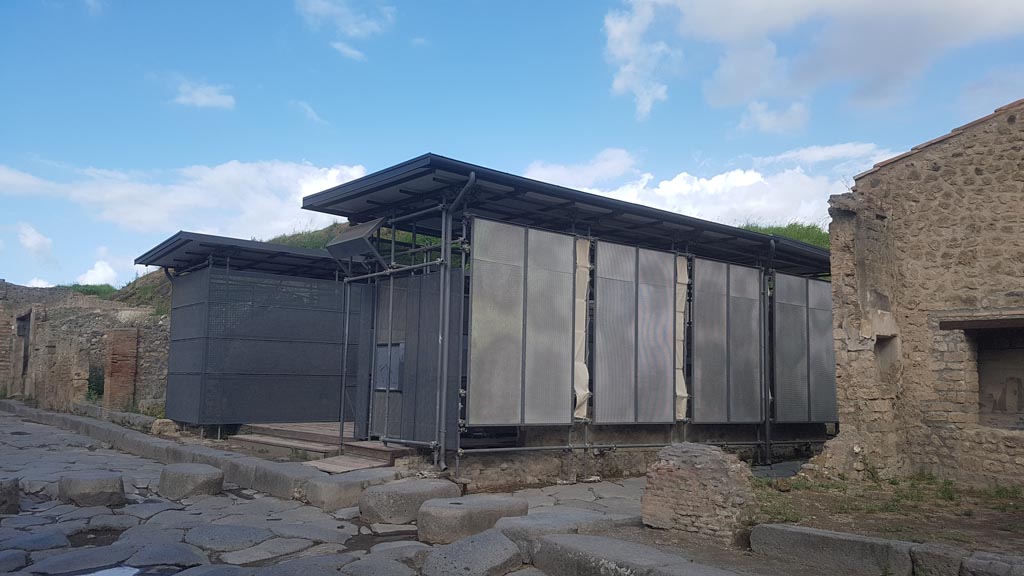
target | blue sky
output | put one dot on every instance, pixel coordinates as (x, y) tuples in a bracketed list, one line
[(123, 122)]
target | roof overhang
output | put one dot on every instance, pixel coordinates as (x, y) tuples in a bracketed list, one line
[(425, 181), (187, 250)]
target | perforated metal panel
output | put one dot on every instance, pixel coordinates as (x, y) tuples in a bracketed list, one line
[(496, 324), (745, 341), (821, 352), (547, 383), (790, 333), (710, 344), (615, 321), (243, 342), (655, 313)]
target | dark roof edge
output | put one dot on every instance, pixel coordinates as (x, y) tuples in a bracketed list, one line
[(432, 161), (176, 239)]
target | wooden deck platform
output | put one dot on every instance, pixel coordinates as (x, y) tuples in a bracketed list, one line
[(318, 442)]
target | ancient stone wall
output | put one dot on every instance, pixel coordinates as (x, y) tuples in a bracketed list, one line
[(698, 489), (67, 347), (933, 236)]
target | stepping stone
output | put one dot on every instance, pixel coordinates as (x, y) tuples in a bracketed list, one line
[(343, 490), (526, 531), (399, 502), (10, 497), (96, 488), (180, 555), (179, 481), (488, 553), (445, 520), (391, 528), (226, 537)]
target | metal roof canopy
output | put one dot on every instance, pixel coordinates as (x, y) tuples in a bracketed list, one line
[(421, 183), (186, 250)]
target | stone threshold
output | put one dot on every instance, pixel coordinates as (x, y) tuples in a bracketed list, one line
[(855, 555), (286, 480)]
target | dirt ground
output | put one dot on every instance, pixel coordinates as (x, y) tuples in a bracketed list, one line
[(916, 509)]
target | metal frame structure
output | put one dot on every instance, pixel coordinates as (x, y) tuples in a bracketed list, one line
[(423, 199)]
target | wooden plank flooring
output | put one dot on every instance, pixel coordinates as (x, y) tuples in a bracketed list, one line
[(345, 463)]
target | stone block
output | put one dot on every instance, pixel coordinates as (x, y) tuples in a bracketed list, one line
[(371, 566), (488, 553), (343, 490), (227, 537), (584, 555), (987, 564), (937, 559), (399, 502), (273, 548), (241, 470), (699, 489), (284, 479), (312, 566), (839, 553), (179, 555), (445, 520), (164, 427), (84, 559), (12, 560), (10, 495), (97, 488), (179, 481), (526, 531)]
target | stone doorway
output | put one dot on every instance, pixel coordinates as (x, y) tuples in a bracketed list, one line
[(1001, 377)]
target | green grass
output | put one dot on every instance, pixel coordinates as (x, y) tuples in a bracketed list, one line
[(101, 291), (810, 233)]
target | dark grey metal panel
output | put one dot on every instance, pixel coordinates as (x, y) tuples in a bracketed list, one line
[(790, 289), (190, 288), (655, 345), (710, 345), (745, 399), (186, 356), (821, 364), (263, 398), (182, 400), (819, 295), (360, 334), (614, 350), (496, 344), (791, 385)]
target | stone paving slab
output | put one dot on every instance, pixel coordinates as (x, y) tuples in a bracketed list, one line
[(839, 553), (445, 520), (584, 555)]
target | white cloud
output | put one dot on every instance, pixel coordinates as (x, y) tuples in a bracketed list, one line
[(38, 245), (100, 273), (997, 87), (853, 157), (203, 95), (39, 283), (242, 199), (348, 51), (641, 62), (346, 19), (310, 113), (825, 40), (609, 164), (94, 7), (763, 119)]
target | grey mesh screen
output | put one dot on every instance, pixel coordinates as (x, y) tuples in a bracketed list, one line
[(615, 322), (745, 344), (243, 342), (547, 380), (496, 324), (710, 344), (821, 352), (655, 337), (791, 347)]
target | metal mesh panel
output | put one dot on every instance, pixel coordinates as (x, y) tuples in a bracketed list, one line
[(186, 356), (496, 343), (819, 295), (262, 398), (190, 288), (791, 289), (744, 360), (548, 377), (710, 359), (188, 321), (497, 242), (822, 365), (655, 308), (790, 362), (614, 350), (183, 393), (550, 251)]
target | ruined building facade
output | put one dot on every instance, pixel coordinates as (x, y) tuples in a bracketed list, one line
[(928, 290), (54, 342)]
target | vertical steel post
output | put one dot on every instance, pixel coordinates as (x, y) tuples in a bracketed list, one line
[(344, 370), (391, 308), (442, 339)]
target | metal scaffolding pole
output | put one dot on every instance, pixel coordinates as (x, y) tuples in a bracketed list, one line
[(344, 370)]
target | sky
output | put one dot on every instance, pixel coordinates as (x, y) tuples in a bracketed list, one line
[(123, 122)]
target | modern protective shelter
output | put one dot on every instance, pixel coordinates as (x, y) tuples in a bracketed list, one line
[(484, 311)]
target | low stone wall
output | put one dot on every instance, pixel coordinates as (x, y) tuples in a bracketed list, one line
[(699, 489)]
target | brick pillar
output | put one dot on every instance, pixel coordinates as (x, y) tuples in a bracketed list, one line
[(121, 366)]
